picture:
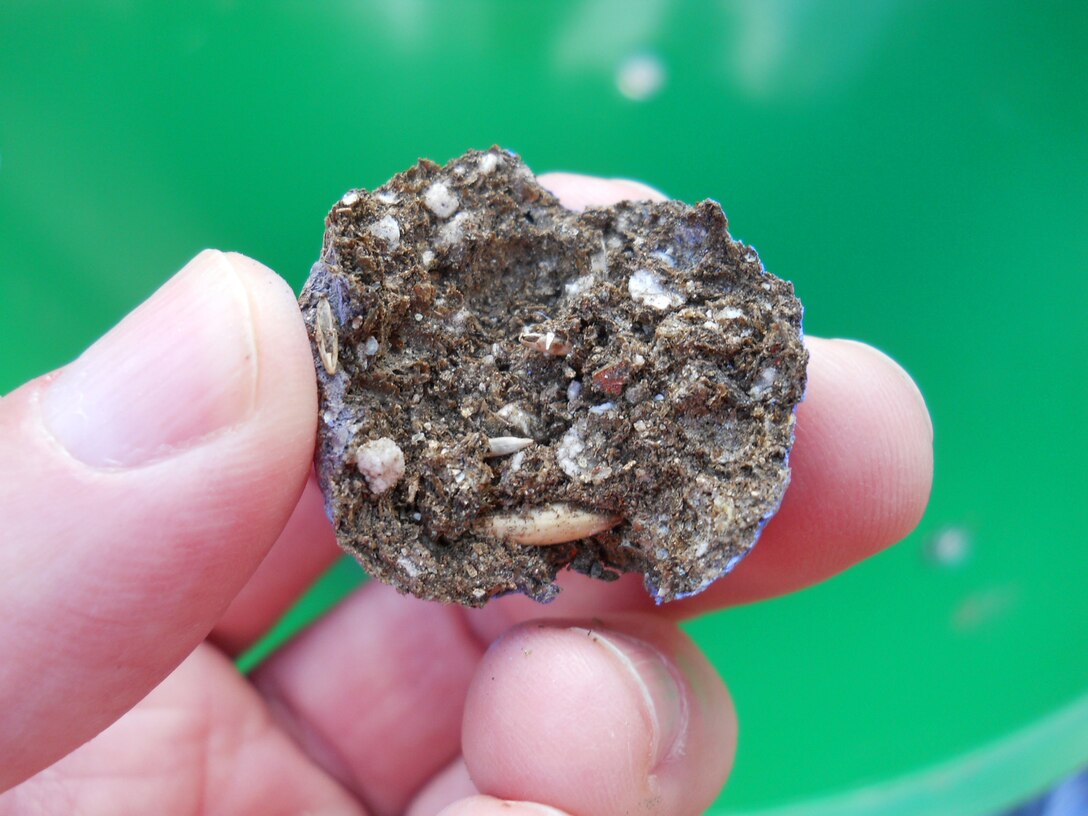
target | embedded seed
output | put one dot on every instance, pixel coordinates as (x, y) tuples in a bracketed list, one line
[(551, 343), (504, 445), (328, 346), (555, 523)]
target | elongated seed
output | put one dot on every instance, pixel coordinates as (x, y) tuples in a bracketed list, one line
[(554, 523), (328, 346), (505, 445), (551, 343)]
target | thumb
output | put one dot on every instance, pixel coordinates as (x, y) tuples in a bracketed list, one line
[(139, 488)]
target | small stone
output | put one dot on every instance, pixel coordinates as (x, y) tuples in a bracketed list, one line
[(381, 462), (388, 230), (440, 200), (488, 162), (646, 287)]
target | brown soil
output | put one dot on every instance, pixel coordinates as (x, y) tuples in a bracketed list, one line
[(646, 361)]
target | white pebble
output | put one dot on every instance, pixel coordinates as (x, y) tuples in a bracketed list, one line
[(516, 417), (516, 460), (349, 198), (488, 162), (765, 382), (440, 200), (381, 462), (567, 452), (388, 230), (646, 287), (573, 390), (578, 285), (453, 231), (603, 408), (371, 347)]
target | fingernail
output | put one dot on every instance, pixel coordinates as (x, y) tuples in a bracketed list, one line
[(657, 682), (180, 367)]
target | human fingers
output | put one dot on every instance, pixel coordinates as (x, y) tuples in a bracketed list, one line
[(613, 717), (374, 692), (143, 484), (200, 742), (304, 550), (451, 784)]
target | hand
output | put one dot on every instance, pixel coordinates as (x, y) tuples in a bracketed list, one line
[(158, 516)]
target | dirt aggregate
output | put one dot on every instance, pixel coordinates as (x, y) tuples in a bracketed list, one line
[(509, 387)]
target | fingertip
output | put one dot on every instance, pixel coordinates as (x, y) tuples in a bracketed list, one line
[(578, 192), (283, 342), (635, 190), (627, 714), (268, 284), (903, 390), (153, 475), (865, 419)]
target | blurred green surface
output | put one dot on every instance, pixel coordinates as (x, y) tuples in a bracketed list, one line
[(918, 169)]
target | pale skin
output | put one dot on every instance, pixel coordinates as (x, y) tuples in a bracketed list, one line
[(157, 514)]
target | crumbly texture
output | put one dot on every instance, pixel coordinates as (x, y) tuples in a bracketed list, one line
[(644, 364)]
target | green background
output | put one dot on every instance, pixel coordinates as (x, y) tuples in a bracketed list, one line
[(918, 169)]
